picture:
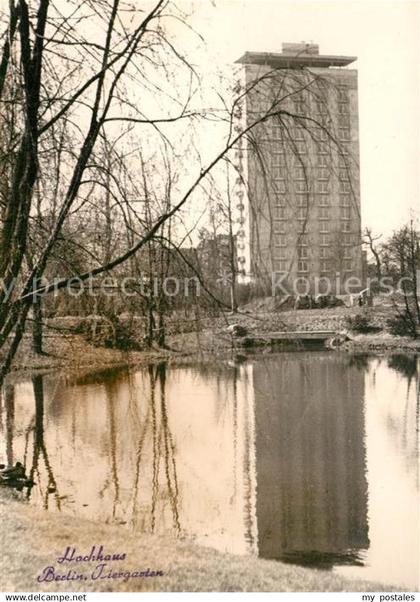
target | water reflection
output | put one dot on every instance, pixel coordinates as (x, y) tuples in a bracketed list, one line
[(312, 488), (311, 458), (9, 406)]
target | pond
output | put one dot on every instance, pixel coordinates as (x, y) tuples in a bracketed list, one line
[(305, 457)]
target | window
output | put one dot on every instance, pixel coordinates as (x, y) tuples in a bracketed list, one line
[(294, 159), (323, 161), (324, 240), (299, 173), (279, 227), (302, 266), (280, 266), (324, 213), (344, 121), (345, 200), (279, 200), (343, 108), (345, 212), (347, 253), (323, 174), (347, 241), (322, 135), (302, 200), (344, 151), (302, 213), (342, 94), (278, 148), (279, 240), (278, 172), (303, 252), (324, 228), (277, 159), (280, 186), (323, 148), (277, 132), (299, 133), (348, 265), (324, 252), (345, 187), (279, 253), (303, 240), (279, 213), (301, 186), (301, 148), (343, 175), (324, 121), (325, 266), (344, 134), (323, 200), (322, 187), (299, 108), (345, 227), (322, 108)]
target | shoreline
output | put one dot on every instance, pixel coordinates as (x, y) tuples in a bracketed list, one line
[(73, 353), (95, 364), (36, 538)]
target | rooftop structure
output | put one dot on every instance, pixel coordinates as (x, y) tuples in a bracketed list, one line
[(294, 56)]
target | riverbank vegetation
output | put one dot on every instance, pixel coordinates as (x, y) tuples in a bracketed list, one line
[(65, 348)]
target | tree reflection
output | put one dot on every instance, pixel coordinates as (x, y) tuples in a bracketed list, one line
[(151, 467), (112, 400), (361, 361), (40, 449), (9, 403), (156, 431), (406, 365)]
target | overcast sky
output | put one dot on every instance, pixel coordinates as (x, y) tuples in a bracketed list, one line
[(384, 35)]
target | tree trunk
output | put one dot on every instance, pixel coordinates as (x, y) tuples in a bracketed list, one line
[(37, 328)]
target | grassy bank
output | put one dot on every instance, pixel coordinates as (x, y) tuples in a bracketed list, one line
[(33, 539)]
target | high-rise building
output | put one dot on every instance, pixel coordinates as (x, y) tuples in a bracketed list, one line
[(298, 191)]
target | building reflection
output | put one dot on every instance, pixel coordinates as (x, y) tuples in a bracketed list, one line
[(311, 473)]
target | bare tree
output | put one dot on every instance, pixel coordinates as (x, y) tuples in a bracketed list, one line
[(371, 241), (45, 53), (403, 248), (79, 100)]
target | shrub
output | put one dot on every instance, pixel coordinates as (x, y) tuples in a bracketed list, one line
[(109, 332), (402, 325), (361, 323)]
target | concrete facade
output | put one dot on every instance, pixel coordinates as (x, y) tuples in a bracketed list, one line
[(298, 169)]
